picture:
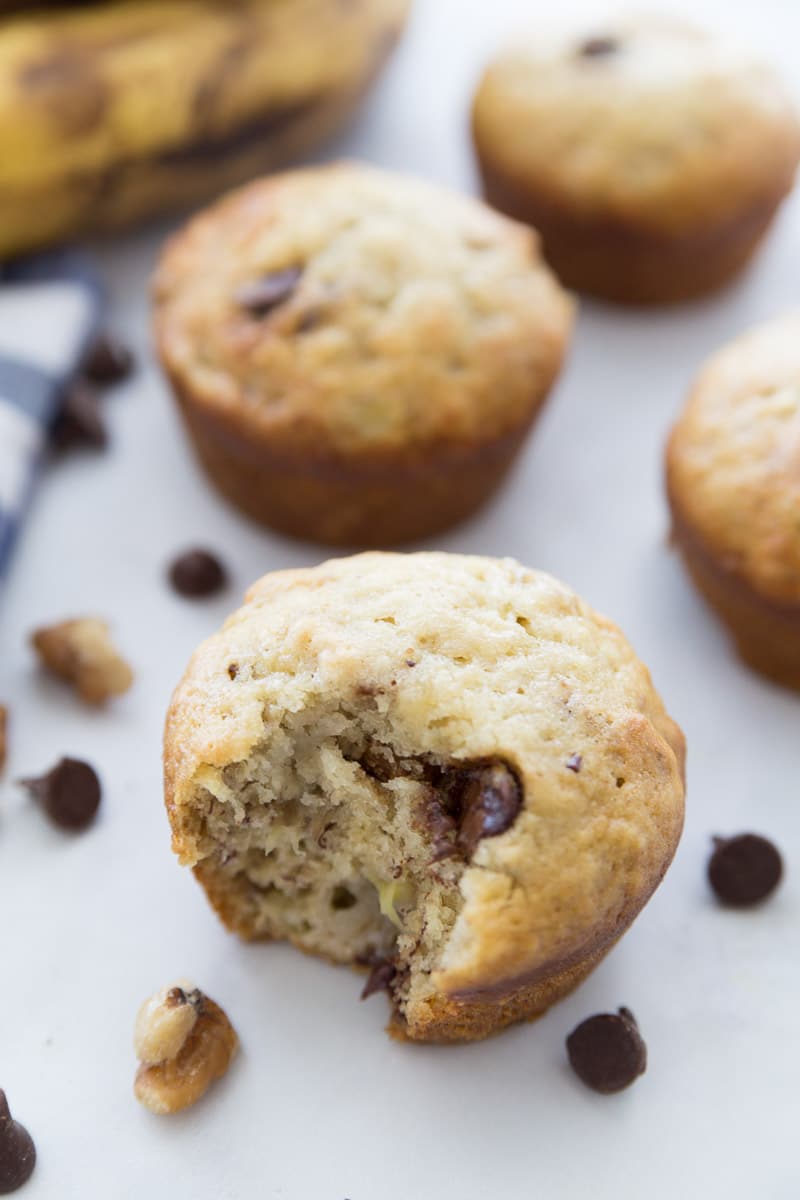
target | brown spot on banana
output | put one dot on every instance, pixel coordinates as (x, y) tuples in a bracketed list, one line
[(210, 91), (67, 89), (250, 134)]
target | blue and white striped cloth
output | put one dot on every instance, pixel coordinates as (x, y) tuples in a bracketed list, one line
[(49, 309)]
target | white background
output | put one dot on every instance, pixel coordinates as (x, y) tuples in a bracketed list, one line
[(321, 1105)]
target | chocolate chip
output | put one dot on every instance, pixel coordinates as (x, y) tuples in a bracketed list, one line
[(69, 794), (607, 1051), (744, 869), (490, 801), (441, 826), (598, 47), (262, 295), (467, 803), (574, 763), (197, 573), (380, 979), (107, 362), (17, 1151), (80, 421)]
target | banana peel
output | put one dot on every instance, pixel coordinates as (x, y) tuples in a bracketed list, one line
[(110, 113)]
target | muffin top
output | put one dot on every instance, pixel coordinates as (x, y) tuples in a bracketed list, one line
[(342, 309), (733, 459), (464, 659), (644, 120)]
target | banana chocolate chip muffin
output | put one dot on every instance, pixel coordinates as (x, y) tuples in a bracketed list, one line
[(449, 768), (733, 480), (651, 156), (358, 356)]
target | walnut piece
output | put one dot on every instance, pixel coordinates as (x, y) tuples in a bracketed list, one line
[(164, 1022), (3, 739), (184, 1042), (81, 652)]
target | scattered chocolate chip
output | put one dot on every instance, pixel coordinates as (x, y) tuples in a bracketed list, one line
[(233, 670), (744, 869), (107, 362), (262, 295), (607, 1051), (80, 421), (17, 1151), (598, 47), (410, 662), (69, 794), (574, 763), (380, 979), (489, 802), (197, 573)]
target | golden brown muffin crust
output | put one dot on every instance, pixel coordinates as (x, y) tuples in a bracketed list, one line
[(388, 267), (458, 660), (668, 130), (733, 460)]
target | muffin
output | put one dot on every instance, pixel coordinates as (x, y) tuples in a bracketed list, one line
[(358, 356), (449, 768), (650, 156), (733, 481)]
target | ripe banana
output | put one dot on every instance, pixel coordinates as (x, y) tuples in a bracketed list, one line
[(114, 112)]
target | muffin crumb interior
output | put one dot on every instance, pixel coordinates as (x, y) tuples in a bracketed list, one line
[(338, 837)]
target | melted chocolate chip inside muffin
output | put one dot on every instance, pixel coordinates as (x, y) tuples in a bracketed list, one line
[(262, 295), (598, 47)]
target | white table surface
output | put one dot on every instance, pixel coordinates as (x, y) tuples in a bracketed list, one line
[(321, 1105)]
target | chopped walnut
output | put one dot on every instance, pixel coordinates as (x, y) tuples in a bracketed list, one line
[(164, 1022), (184, 1042), (81, 652), (3, 740)]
